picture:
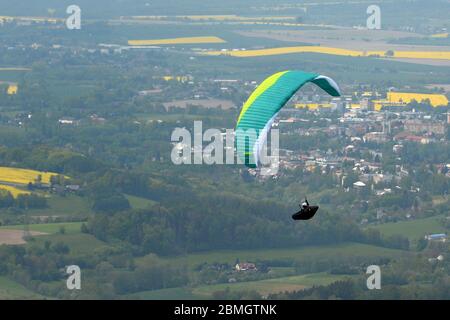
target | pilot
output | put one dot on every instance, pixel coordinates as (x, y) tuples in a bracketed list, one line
[(305, 204)]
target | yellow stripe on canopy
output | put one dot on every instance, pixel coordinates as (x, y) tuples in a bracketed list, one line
[(260, 90)]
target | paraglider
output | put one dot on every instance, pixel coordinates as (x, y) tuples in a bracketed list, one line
[(263, 105), (260, 111), (306, 211)]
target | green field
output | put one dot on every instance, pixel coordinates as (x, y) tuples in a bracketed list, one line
[(275, 285), (282, 277), (50, 228), (10, 289), (169, 294), (350, 250), (64, 206), (79, 244), (413, 229), (263, 287)]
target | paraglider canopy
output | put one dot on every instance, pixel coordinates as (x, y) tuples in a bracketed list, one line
[(263, 105)]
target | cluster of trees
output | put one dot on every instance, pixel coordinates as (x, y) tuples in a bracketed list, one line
[(28, 265), (45, 158), (215, 221), (22, 201)]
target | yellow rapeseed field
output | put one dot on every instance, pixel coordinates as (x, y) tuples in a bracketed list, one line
[(405, 97), (177, 78), (13, 190), (312, 106), (286, 50), (23, 176), (440, 35), (441, 55), (186, 40), (400, 99), (12, 89)]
